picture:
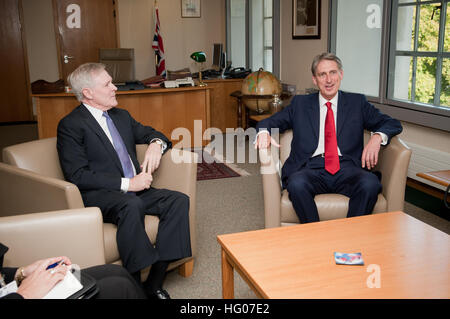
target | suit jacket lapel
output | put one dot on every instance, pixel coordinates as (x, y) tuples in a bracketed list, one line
[(95, 127), (314, 114), (342, 109)]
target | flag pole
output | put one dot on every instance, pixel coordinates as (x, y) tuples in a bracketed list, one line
[(155, 4)]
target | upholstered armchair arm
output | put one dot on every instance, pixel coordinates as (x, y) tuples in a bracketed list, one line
[(42, 193), (393, 164), (177, 170), (75, 233), (175, 174), (271, 187)]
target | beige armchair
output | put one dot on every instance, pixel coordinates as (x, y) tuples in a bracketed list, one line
[(32, 181), (392, 163), (75, 233)]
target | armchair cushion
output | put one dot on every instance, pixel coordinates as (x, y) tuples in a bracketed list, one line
[(75, 233)]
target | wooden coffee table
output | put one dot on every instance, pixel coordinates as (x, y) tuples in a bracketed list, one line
[(403, 258)]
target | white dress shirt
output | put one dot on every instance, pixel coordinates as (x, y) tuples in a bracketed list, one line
[(323, 114)]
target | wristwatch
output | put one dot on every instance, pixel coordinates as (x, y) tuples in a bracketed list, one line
[(157, 141), (20, 276), (160, 143)]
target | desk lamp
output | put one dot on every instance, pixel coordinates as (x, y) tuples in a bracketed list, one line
[(199, 57)]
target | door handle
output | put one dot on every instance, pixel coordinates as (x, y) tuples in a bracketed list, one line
[(67, 58)]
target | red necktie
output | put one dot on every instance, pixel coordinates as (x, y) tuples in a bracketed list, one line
[(331, 150)]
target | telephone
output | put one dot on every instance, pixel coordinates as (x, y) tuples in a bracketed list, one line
[(239, 73)]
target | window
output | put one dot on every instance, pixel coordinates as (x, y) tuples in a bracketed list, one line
[(250, 33), (236, 32), (260, 42), (420, 57), (397, 53)]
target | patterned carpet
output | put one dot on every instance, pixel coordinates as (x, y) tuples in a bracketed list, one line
[(213, 171), (212, 167)]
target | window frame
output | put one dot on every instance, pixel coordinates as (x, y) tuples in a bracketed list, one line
[(433, 116), (266, 47), (275, 35)]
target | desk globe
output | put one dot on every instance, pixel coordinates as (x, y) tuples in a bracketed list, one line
[(260, 90)]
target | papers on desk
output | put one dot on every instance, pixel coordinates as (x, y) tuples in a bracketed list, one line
[(65, 288)]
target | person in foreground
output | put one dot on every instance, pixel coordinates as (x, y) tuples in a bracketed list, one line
[(327, 150), (96, 145), (35, 281)]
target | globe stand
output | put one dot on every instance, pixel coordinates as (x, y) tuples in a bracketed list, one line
[(275, 105)]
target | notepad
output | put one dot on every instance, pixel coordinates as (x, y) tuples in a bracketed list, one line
[(65, 288)]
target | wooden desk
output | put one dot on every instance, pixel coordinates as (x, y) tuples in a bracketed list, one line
[(163, 109), (298, 262), (224, 108)]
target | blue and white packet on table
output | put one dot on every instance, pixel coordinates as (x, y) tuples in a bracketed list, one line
[(348, 259)]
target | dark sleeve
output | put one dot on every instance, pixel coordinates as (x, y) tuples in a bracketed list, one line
[(375, 121), (14, 295), (9, 274), (144, 134)]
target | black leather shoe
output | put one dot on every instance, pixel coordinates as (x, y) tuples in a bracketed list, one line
[(158, 294)]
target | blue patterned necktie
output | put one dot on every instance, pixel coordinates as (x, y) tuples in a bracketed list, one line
[(120, 148)]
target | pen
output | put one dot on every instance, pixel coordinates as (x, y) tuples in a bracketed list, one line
[(54, 264)]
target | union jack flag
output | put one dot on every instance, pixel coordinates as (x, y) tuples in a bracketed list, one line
[(158, 46)]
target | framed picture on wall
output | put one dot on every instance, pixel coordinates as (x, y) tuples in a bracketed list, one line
[(306, 19), (190, 8)]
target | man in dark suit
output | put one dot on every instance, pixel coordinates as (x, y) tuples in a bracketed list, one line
[(96, 147), (327, 150)]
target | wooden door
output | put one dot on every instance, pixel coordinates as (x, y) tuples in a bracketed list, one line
[(15, 98), (82, 27)]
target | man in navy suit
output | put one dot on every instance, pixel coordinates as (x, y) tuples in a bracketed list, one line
[(97, 151), (327, 150)]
